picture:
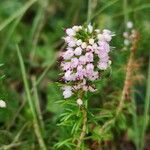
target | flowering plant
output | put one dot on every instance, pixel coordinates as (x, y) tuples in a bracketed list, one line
[(86, 56)]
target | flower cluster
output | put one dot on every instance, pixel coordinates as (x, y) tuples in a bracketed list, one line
[(87, 53), (128, 35)]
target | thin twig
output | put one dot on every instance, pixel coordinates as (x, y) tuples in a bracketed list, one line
[(83, 132)]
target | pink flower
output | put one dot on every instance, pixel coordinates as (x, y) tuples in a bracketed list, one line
[(68, 54), (78, 51), (82, 60), (68, 76), (74, 62), (107, 35), (66, 65), (72, 43), (70, 32), (89, 48), (102, 54), (89, 70), (104, 46), (79, 62), (94, 75), (89, 67), (67, 39), (102, 65), (89, 57), (80, 72)]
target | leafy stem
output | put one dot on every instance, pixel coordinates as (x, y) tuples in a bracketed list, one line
[(83, 131)]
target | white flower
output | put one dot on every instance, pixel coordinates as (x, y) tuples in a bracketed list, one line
[(79, 102), (125, 34), (109, 62), (126, 42), (107, 37), (78, 42), (106, 31), (84, 45), (2, 104), (78, 51), (129, 24), (97, 30), (70, 32), (91, 41), (91, 89), (67, 91), (94, 46), (90, 28), (75, 28), (100, 36)]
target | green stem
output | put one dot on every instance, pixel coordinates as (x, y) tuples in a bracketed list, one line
[(29, 98), (89, 13), (83, 131), (37, 103), (125, 11), (146, 108)]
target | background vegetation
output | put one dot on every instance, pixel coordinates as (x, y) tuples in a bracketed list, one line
[(30, 40)]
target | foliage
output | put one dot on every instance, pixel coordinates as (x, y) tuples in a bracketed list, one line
[(37, 116)]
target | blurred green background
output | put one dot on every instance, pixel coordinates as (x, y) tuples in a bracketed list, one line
[(37, 26)]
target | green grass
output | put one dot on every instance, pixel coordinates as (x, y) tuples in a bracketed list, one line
[(30, 72)]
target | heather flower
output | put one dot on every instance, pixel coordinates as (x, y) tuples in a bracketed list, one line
[(128, 34), (129, 24), (79, 102), (86, 55), (67, 91), (2, 104), (78, 51)]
